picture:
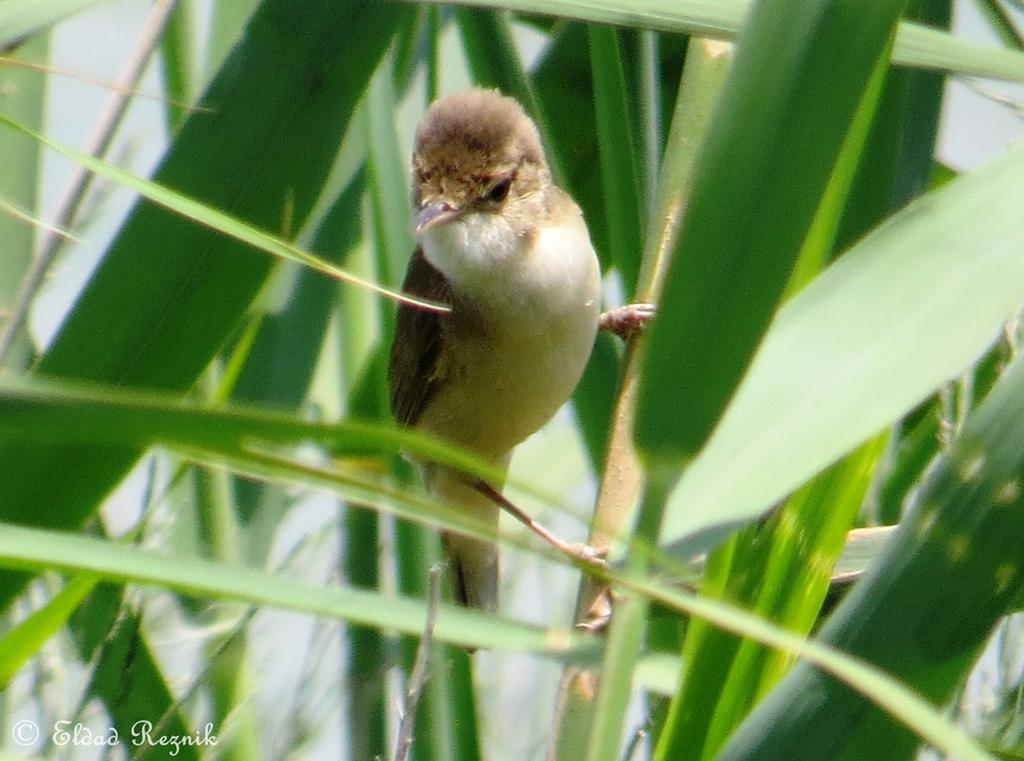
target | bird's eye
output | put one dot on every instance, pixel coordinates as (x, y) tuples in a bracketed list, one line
[(499, 192)]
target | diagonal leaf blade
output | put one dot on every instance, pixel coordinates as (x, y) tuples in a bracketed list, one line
[(34, 549), (865, 336), (759, 179), (167, 292), (22, 18), (951, 570)]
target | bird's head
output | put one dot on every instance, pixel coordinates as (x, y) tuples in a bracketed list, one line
[(477, 153)]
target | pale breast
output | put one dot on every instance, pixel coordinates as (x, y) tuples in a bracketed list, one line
[(520, 341)]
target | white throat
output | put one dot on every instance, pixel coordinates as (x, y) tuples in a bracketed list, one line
[(474, 252), (521, 279)]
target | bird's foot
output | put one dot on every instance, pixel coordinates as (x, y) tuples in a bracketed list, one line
[(583, 554), (586, 554), (599, 615), (627, 321)]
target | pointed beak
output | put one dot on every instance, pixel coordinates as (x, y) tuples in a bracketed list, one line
[(435, 213)]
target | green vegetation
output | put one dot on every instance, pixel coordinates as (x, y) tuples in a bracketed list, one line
[(205, 518)]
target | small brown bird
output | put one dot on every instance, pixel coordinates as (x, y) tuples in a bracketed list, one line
[(511, 254)]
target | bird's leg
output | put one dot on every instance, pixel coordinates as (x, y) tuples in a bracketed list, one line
[(626, 321), (599, 614), (582, 553)]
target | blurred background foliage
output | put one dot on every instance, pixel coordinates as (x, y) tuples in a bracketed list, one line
[(205, 515)]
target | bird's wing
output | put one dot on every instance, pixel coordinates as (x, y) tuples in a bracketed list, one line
[(415, 370)]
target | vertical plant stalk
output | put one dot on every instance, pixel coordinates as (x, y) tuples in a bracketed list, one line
[(706, 65), (419, 669), (22, 98), (97, 145), (626, 635), (650, 114)]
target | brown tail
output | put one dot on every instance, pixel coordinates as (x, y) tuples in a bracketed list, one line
[(473, 570), (472, 563)]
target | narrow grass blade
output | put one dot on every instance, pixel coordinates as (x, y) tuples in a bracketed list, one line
[(916, 45), (365, 647), (36, 550), (19, 179), (881, 689), (219, 221), (279, 367), (255, 443), (22, 641), (388, 180), (100, 417), (1001, 22), (805, 541), (127, 678), (819, 243), (22, 18)]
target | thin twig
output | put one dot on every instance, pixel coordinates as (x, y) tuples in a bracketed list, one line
[(641, 734), (20, 214), (44, 68), (580, 553), (97, 145), (419, 668)]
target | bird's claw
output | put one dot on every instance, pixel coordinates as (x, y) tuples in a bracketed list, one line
[(626, 321), (599, 615), (588, 555)]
